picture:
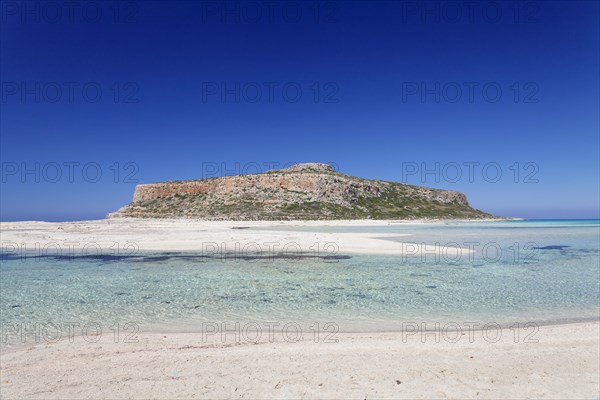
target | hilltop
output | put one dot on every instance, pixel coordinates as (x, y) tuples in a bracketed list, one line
[(310, 191)]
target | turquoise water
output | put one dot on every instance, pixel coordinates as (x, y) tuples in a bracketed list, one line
[(543, 271)]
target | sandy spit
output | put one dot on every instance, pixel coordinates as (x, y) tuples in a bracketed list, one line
[(127, 234)]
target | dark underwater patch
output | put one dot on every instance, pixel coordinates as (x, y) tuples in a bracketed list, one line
[(552, 247), (168, 256), (9, 256)]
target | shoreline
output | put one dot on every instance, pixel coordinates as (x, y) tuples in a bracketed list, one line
[(161, 331), (276, 221), (198, 235)]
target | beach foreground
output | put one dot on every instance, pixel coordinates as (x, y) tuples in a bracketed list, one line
[(562, 364)]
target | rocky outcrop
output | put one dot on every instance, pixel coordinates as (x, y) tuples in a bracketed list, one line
[(302, 191)]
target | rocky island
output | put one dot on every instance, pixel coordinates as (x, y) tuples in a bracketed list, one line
[(309, 191)]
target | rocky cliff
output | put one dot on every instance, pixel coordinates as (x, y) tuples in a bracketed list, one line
[(309, 191)]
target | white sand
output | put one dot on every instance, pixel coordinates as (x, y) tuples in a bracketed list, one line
[(206, 236), (564, 364)]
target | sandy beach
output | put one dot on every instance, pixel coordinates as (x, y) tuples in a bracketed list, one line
[(562, 364), (131, 235)]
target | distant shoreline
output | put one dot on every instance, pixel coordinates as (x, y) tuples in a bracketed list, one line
[(312, 221), (148, 234)]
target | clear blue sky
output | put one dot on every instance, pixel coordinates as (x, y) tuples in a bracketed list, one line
[(385, 88)]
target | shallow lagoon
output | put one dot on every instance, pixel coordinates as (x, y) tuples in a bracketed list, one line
[(523, 271)]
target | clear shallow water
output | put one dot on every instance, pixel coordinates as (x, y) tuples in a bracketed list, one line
[(531, 271)]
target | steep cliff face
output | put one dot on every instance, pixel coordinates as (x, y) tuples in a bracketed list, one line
[(303, 191)]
